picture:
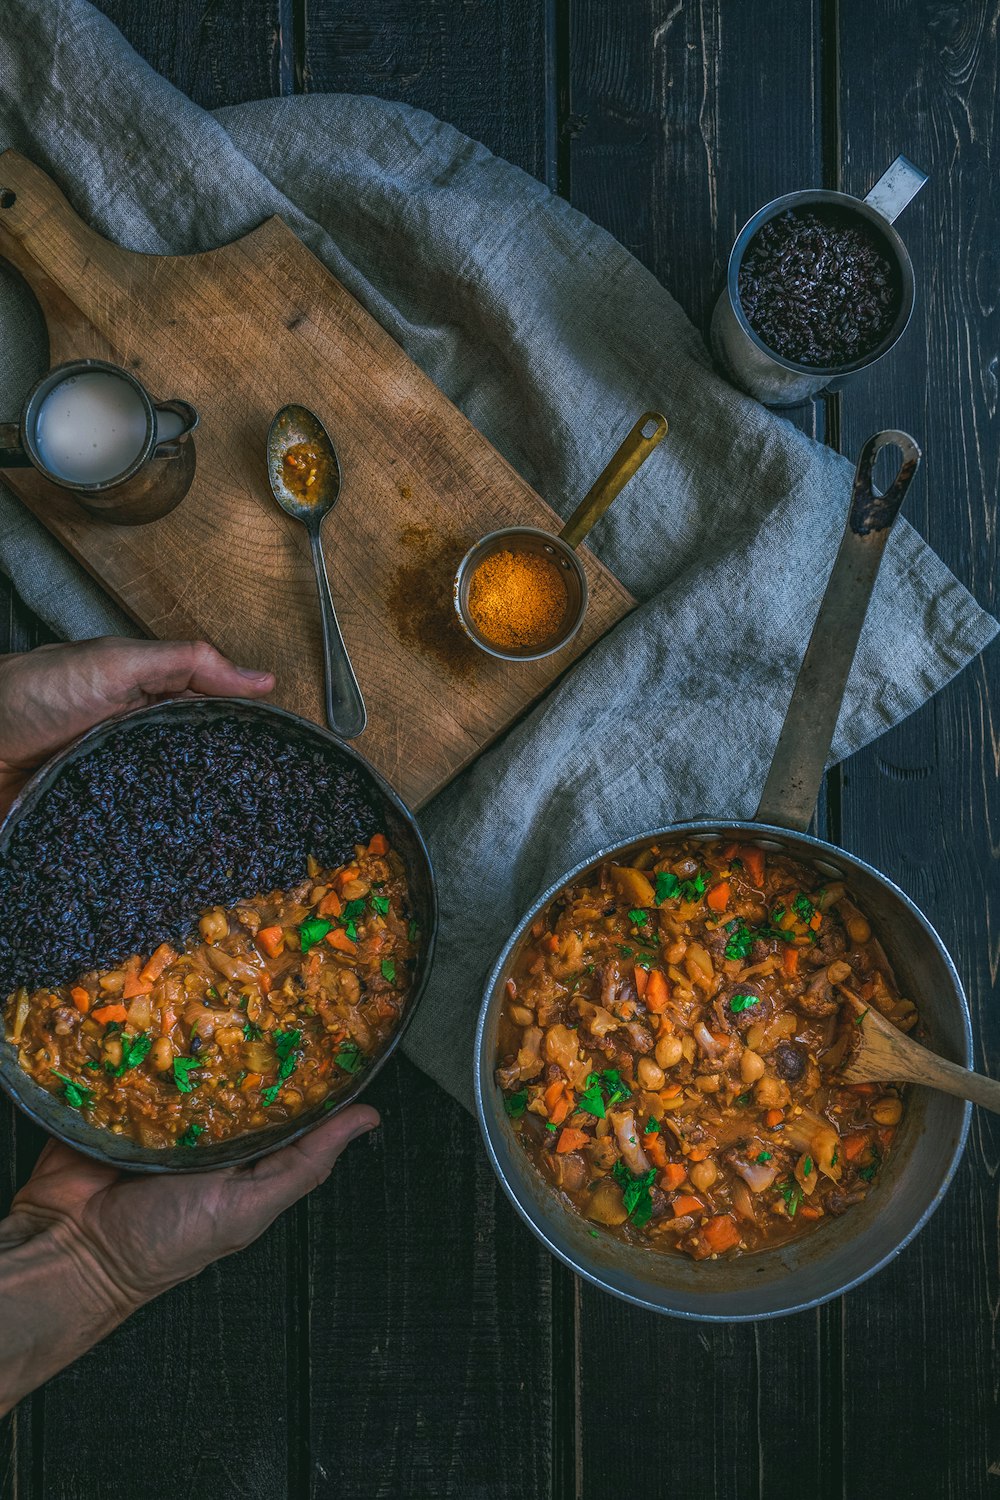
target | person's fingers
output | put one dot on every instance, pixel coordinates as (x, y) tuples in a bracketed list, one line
[(280, 1180), (163, 667)]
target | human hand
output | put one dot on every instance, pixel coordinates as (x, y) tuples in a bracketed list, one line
[(50, 695), (85, 1245)]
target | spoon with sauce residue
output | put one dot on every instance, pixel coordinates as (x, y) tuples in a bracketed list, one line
[(304, 471)]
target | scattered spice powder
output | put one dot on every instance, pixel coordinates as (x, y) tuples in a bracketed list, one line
[(420, 600), (517, 599)]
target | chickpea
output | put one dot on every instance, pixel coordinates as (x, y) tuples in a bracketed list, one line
[(675, 951), (756, 1036), (649, 1074), (522, 1016), (292, 1100), (838, 972), (669, 1051), (162, 1055), (709, 1083), (703, 1174), (315, 1092), (888, 1110), (751, 1066), (832, 894), (355, 889), (214, 925), (858, 929), (113, 1051), (771, 1093)]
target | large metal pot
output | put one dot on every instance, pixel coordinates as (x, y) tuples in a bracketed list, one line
[(842, 1252), (400, 827)]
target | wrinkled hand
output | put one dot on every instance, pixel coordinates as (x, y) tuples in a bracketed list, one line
[(134, 1237), (49, 696)]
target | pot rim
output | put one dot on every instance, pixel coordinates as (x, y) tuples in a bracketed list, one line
[(674, 830), (193, 1161)]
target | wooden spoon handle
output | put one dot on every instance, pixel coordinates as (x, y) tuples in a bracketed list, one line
[(631, 454)]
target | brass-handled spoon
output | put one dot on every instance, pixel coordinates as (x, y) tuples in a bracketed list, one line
[(883, 1054), (304, 471), (559, 547)]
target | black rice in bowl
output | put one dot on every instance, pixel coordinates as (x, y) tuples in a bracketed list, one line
[(158, 823)]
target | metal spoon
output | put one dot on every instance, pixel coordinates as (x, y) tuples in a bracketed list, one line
[(304, 471)]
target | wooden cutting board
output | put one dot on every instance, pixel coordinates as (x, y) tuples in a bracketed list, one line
[(241, 331)]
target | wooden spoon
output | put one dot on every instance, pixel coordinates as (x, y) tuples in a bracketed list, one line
[(883, 1054)]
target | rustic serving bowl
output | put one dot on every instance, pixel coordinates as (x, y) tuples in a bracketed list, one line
[(399, 825), (840, 1253)]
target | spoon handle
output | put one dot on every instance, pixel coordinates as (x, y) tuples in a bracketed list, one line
[(345, 707), (630, 455)]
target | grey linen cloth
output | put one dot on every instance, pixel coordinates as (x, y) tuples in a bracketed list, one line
[(551, 338)]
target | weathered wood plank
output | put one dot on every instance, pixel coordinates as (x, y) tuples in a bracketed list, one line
[(216, 53), (922, 803), (479, 64), (662, 153), (431, 1315)]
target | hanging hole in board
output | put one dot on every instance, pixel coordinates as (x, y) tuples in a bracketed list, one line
[(7, 198), (649, 428)]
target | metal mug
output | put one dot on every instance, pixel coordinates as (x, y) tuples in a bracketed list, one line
[(152, 482), (742, 355)]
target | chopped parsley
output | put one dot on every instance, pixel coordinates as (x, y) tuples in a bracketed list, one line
[(803, 907), (858, 1019), (183, 1068), (75, 1094), (740, 939), (640, 918), (549, 1126), (646, 960), (834, 1158), (742, 1100), (635, 1191), (670, 888), (285, 1043), (764, 1156), (602, 1089), (514, 1104), (807, 1166), (350, 1057), (743, 1002), (388, 970), (590, 969), (190, 1136), (867, 1173), (652, 1126), (313, 931), (351, 928), (412, 931), (251, 1033), (134, 1050), (380, 904), (355, 909), (626, 951), (792, 1194)]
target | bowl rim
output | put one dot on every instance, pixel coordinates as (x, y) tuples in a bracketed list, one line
[(178, 1164), (602, 1282)]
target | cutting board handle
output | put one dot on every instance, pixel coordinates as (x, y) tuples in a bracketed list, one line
[(41, 233)]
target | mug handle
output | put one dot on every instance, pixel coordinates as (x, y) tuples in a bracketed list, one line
[(12, 454), (171, 447)]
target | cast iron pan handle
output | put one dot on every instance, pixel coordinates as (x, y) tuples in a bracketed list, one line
[(800, 756)]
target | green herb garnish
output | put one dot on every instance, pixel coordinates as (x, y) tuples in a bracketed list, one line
[(626, 951), (412, 931), (355, 909), (646, 960), (742, 1100), (285, 1043), (549, 1126), (190, 1136), (807, 1166), (380, 904), (313, 931), (640, 918), (602, 1089), (514, 1104), (803, 907), (667, 886), (740, 939), (183, 1068), (635, 1191), (350, 1057), (134, 1049), (75, 1094), (764, 1156), (251, 1033), (867, 1173), (792, 1194), (743, 1002), (388, 970), (652, 1126), (858, 1019), (352, 931)]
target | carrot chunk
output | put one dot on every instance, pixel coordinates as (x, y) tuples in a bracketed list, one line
[(272, 940), (753, 863), (854, 1145), (80, 998), (330, 906), (672, 1176), (641, 980), (652, 1144), (773, 1117), (346, 876), (718, 896), (155, 965), (379, 844), (571, 1139), (657, 995), (684, 1203), (135, 985), (106, 1013), (790, 962), (338, 939), (720, 1233)]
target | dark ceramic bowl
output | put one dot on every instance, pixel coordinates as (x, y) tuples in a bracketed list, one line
[(840, 1253), (401, 829)]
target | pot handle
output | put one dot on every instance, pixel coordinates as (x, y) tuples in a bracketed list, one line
[(803, 746), (12, 454)]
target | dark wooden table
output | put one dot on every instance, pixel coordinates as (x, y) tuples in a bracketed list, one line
[(400, 1334)]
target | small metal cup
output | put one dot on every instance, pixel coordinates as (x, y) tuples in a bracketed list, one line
[(743, 356), (543, 544)]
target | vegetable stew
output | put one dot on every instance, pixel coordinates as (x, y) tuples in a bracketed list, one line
[(670, 1047), (270, 1009)]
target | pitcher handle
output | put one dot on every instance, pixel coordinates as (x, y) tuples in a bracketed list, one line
[(171, 447)]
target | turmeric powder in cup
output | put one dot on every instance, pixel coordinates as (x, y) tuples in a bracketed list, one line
[(521, 594)]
